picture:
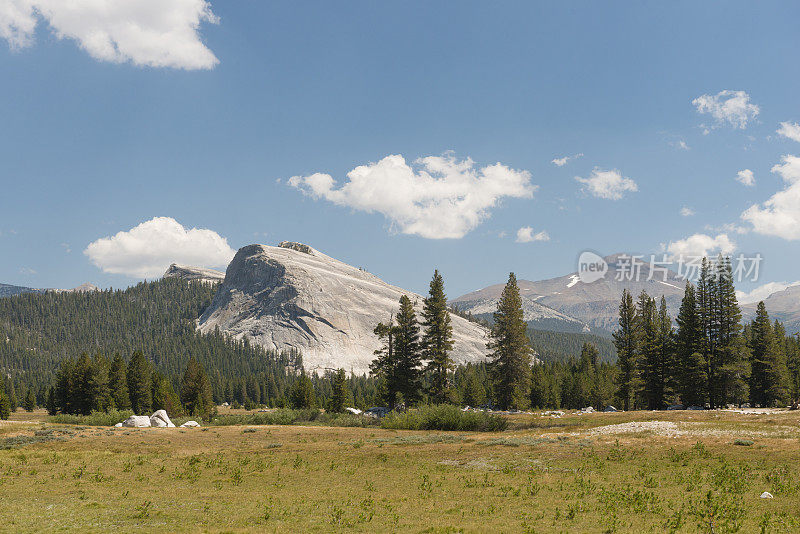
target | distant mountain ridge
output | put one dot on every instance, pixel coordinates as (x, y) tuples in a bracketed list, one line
[(782, 305), (566, 300)]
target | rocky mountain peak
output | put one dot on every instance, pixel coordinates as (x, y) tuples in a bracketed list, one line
[(295, 297)]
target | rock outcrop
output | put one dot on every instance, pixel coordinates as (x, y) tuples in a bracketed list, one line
[(190, 274), (161, 419), (294, 297), (137, 421), (190, 424)]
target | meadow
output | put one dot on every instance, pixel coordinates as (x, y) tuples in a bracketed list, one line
[(618, 472)]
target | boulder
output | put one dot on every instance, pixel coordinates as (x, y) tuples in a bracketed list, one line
[(118, 425), (161, 419), (354, 411), (766, 495), (610, 409), (137, 421), (190, 424)]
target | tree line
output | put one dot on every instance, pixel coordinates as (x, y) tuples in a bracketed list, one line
[(709, 358)]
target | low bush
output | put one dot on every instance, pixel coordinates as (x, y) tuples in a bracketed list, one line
[(110, 418), (286, 416), (444, 417)]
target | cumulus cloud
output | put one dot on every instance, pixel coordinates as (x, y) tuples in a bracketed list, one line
[(790, 130), (526, 235), (701, 245), (438, 197), (560, 162), (686, 211), (146, 250), (153, 33), (763, 291), (780, 214), (731, 107), (746, 177), (610, 185)]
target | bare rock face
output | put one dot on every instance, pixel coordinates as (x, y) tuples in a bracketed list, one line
[(189, 273), (294, 297), (137, 421), (161, 419)]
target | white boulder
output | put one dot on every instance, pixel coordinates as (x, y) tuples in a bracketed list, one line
[(161, 419), (190, 424), (766, 495), (118, 425), (354, 411), (137, 421)]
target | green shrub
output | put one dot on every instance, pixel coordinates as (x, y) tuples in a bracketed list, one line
[(109, 418), (286, 416), (744, 442), (444, 417)]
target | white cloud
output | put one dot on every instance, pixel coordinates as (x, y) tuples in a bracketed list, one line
[(732, 107), (763, 291), (790, 130), (438, 198), (560, 162), (701, 245), (780, 214), (153, 33), (746, 177), (686, 211), (610, 185), (526, 235), (146, 250)]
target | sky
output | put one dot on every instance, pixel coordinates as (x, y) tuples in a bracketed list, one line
[(473, 137)]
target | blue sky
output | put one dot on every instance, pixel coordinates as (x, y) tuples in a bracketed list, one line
[(207, 122)]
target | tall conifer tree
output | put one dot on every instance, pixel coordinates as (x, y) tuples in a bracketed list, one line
[(437, 340), (692, 379), (407, 353), (511, 350), (139, 375), (627, 353)]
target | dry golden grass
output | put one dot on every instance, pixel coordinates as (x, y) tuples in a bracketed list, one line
[(544, 475)]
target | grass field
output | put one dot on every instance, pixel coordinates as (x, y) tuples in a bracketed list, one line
[(623, 472)]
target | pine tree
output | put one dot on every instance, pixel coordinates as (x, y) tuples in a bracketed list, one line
[(5, 405), (692, 379), (51, 405), (407, 353), (732, 354), (11, 395), (383, 367), (627, 352), (30, 401), (341, 396), (437, 340), (302, 393), (164, 396), (196, 391), (118, 383), (779, 391), (474, 393), (139, 376), (511, 351), (706, 311)]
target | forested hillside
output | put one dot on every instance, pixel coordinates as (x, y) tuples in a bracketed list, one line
[(38, 331), (563, 347)]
